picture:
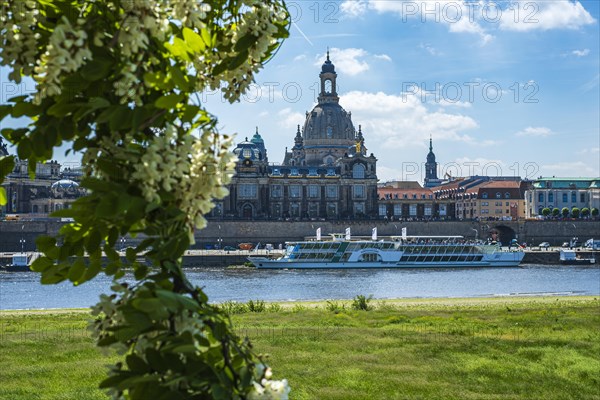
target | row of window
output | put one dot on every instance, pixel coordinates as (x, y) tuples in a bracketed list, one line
[(412, 210), (250, 191), (565, 197), (498, 195), (486, 211), (388, 196)]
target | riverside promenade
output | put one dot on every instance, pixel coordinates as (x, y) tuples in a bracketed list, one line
[(225, 258)]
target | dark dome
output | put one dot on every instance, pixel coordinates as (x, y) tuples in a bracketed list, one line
[(328, 67), (249, 150), (329, 122), (65, 184), (430, 157)]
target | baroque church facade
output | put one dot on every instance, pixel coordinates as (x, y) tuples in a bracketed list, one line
[(327, 174)]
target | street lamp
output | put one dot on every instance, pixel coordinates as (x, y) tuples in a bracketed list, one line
[(22, 241), (122, 240), (476, 233)]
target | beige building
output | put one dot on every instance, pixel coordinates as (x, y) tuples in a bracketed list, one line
[(494, 200)]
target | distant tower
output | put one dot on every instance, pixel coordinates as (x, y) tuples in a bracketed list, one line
[(431, 178)]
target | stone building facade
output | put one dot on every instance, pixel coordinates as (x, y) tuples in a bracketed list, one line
[(562, 192), (327, 174)]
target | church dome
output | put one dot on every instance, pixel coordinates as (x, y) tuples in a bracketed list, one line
[(248, 150), (328, 66), (329, 123), (65, 184)]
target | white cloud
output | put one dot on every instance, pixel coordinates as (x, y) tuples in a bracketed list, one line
[(348, 61), (458, 104), (480, 17), (581, 53), (570, 168), (353, 8), (430, 49), (384, 57), (290, 119), (400, 121), (535, 132), (300, 57), (466, 166), (545, 15)]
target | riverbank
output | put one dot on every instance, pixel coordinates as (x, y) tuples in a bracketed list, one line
[(222, 258), (472, 348)]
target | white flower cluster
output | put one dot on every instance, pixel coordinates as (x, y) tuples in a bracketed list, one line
[(67, 51), (269, 389), (260, 20), (17, 37), (194, 170)]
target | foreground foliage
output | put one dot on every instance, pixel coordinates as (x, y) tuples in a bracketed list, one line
[(117, 81), (541, 348)]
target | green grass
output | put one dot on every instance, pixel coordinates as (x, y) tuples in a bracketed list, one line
[(503, 348)]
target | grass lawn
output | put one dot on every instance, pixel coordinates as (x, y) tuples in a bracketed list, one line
[(500, 348)]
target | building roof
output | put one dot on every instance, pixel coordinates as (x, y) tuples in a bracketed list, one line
[(396, 193)]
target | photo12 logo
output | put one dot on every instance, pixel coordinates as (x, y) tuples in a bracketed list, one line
[(470, 92)]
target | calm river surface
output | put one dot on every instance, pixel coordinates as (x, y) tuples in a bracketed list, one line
[(22, 290)]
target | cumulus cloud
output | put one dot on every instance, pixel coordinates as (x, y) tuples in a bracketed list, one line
[(290, 119), (581, 53), (349, 61), (545, 15), (570, 168), (481, 17), (539, 131), (384, 57), (397, 121)]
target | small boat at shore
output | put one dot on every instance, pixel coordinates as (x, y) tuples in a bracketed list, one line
[(397, 252), (570, 257), (20, 261)]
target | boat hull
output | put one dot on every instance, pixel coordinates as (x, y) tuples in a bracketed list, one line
[(282, 264)]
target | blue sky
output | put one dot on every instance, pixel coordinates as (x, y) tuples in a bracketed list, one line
[(503, 88)]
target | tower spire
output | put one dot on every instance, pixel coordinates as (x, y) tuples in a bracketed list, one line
[(327, 53), (430, 143)]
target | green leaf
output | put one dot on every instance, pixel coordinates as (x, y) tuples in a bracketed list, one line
[(120, 119), (3, 199), (63, 109), (24, 109), (45, 243), (41, 264), (169, 101), (76, 271), (7, 164), (207, 38), (178, 49), (92, 270), (97, 69), (136, 364), (245, 42), (193, 40)]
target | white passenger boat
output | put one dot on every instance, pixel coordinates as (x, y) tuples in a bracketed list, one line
[(396, 252)]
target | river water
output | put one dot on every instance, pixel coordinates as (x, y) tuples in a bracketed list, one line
[(22, 290)]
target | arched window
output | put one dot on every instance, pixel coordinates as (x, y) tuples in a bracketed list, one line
[(565, 198), (573, 197), (484, 196), (358, 171), (550, 197), (328, 86), (498, 195), (507, 195)]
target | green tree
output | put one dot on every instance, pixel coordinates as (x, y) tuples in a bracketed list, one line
[(565, 212), (594, 212), (575, 212), (585, 212), (118, 82), (555, 212), (546, 211)]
